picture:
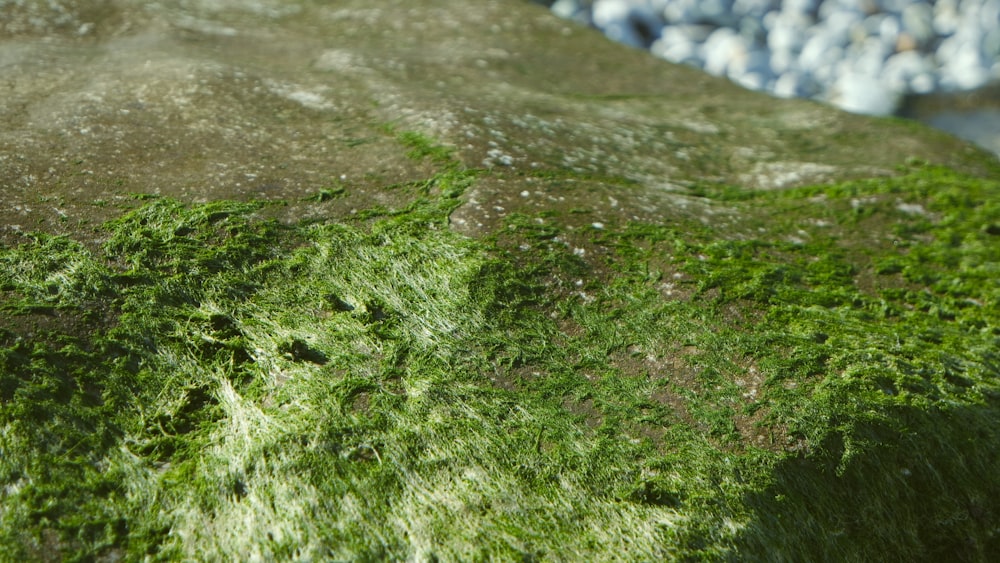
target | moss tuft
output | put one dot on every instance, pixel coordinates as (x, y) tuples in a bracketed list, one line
[(817, 380)]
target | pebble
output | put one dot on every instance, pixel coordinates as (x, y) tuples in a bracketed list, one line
[(863, 56)]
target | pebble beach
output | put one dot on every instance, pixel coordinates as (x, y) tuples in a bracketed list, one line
[(863, 56)]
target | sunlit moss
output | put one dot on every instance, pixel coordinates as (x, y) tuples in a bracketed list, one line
[(819, 381)]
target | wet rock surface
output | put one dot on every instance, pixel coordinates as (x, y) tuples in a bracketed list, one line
[(282, 100), (660, 339)]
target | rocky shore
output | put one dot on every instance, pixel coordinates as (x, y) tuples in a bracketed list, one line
[(863, 56)]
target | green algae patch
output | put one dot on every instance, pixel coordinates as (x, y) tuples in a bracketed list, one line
[(275, 392), (817, 379), (856, 325)]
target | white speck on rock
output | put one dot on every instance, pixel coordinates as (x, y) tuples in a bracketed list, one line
[(911, 208), (776, 175)]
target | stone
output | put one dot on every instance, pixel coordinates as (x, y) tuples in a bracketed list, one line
[(946, 17), (821, 50), (752, 9), (962, 64), (677, 50), (862, 93), (682, 43), (427, 279), (787, 31), (721, 48), (633, 25), (918, 22), (901, 69), (795, 85)]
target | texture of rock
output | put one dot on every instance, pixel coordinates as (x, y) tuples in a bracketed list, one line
[(204, 100), (536, 296)]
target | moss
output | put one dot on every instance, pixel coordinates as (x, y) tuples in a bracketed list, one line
[(818, 380)]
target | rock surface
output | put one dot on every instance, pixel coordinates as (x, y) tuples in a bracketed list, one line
[(532, 295), (204, 100)]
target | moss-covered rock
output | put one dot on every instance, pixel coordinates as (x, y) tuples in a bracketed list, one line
[(287, 280)]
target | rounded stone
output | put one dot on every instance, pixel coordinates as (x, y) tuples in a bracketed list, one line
[(865, 94), (946, 17), (918, 22), (965, 69), (635, 25), (752, 9), (801, 6), (924, 83), (753, 81), (716, 11), (794, 85), (677, 50), (901, 68), (747, 60), (720, 49), (787, 31), (820, 50), (783, 61)]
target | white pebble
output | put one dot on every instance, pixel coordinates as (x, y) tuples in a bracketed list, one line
[(859, 93)]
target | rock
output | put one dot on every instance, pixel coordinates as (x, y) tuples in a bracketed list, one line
[(633, 25), (903, 72), (752, 9), (822, 50), (786, 30), (721, 48), (862, 93), (794, 85), (946, 17), (918, 22), (184, 102), (355, 280), (571, 10), (962, 67)]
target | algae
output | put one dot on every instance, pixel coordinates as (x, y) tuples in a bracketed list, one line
[(817, 379)]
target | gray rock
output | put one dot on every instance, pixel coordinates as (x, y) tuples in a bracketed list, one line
[(804, 36), (721, 49), (571, 10), (207, 99), (786, 30), (795, 85), (822, 50), (327, 110), (918, 22), (677, 50), (783, 61), (801, 6), (753, 9), (962, 64), (635, 25), (946, 17), (862, 93), (902, 69)]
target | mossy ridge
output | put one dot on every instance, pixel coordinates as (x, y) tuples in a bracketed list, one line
[(292, 393), (233, 346), (858, 376)]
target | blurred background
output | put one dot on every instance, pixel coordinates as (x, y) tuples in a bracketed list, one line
[(935, 61)]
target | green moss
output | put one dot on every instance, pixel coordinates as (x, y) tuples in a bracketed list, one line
[(422, 146), (818, 381)]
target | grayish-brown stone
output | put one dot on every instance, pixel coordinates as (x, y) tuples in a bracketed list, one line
[(269, 99)]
